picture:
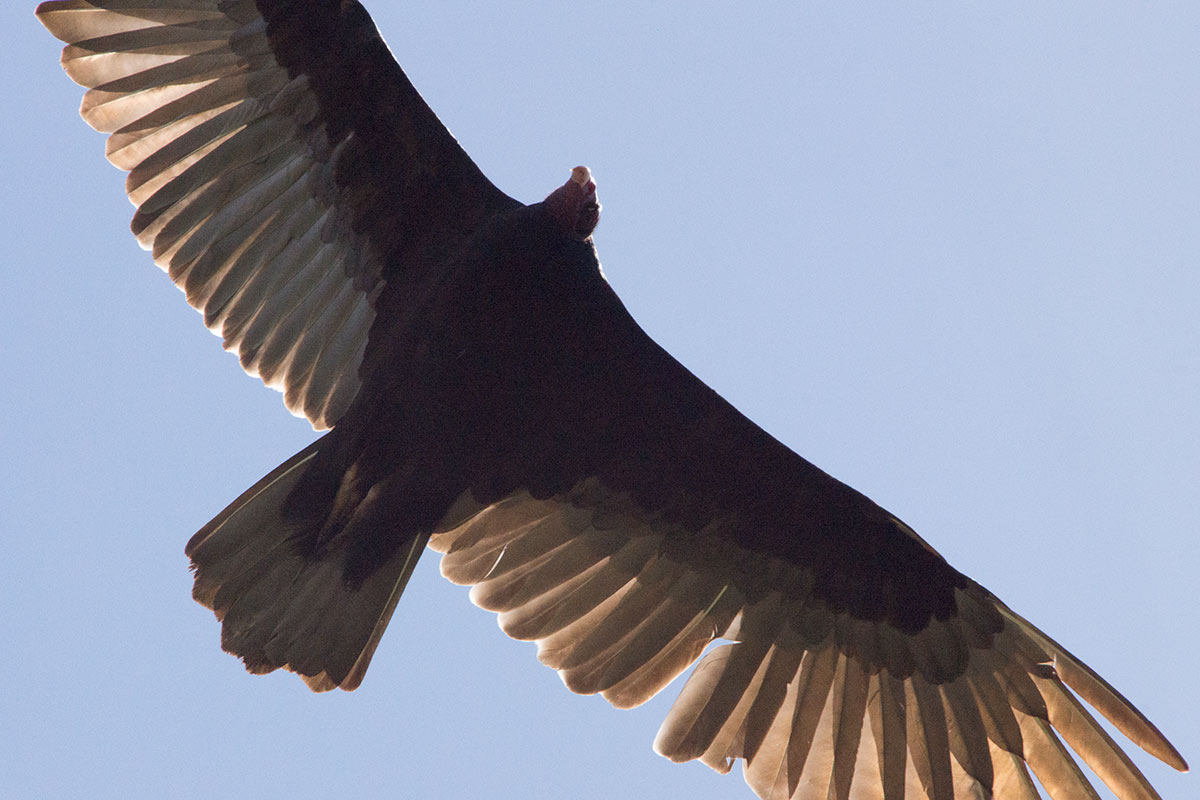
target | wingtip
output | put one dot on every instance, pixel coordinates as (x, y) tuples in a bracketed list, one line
[(45, 12), (1101, 696), (1172, 757)]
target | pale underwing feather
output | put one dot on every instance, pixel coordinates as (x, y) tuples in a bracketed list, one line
[(1097, 693), (815, 681), (1012, 781), (282, 332), (995, 711), (928, 740), (886, 711), (218, 140), (799, 692), (725, 745), (784, 662), (967, 735), (769, 756), (531, 590), (313, 342), (1092, 743), (239, 115), (1051, 763), (849, 707), (240, 285), (203, 262), (637, 610), (652, 674)]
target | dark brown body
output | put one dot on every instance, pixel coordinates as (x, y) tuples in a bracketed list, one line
[(536, 379)]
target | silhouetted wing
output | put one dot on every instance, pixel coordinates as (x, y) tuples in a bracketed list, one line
[(649, 519), (283, 169)]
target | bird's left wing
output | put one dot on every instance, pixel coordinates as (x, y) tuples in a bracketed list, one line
[(283, 169), (647, 525)]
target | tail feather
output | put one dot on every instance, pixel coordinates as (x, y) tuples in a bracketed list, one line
[(283, 607)]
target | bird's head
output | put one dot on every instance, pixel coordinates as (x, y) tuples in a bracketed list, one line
[(574, 205)]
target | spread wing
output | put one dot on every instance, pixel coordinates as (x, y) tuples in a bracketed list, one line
[(649, 525), (283, 169)]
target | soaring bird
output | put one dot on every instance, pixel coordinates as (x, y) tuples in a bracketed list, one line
[(488, 396)]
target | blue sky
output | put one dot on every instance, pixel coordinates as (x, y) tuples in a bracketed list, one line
[(950, 255)]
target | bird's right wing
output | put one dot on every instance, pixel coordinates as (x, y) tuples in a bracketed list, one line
[(283, 169)]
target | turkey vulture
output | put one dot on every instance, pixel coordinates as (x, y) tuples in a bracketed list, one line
[(487, 395)]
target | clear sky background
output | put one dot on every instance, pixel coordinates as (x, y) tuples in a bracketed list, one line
[(950, 254)]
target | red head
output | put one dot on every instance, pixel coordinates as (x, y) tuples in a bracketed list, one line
[(574, 204)]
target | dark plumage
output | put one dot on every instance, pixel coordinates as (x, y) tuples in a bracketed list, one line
[(490, 396)]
